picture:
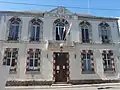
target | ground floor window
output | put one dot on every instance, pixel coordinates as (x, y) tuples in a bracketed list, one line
[(108, 60), (33, 60), (10, 58), (87, 61)]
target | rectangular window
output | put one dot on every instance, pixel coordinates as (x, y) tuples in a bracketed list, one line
[(85, 35), (105, 36), (10, 58), (35, 33), (87, 61), (108, 60), (33, 60), (13, 32)]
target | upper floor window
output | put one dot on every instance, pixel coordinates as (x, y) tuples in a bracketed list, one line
[(86, 32), (14, 29), (36, 30), (104, 31), (60, 29), (10, 58)]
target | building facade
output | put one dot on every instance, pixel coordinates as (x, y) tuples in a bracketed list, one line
[(59, 46)]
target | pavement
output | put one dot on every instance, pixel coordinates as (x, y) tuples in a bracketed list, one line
[(105, 86)]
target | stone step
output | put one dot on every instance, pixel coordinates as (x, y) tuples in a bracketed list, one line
[(61, 84)]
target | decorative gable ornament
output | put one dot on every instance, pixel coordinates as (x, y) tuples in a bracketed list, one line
[(61, 12)]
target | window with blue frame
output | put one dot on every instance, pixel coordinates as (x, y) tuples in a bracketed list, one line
[(35, 31), (33, 60), (87, 61), (104, 32), (14, 29), (85, 34), (61, 27), (85, 29)]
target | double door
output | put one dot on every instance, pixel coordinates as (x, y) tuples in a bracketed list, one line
[(61, 65)]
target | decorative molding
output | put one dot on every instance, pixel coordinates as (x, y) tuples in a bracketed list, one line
[(60, 12)]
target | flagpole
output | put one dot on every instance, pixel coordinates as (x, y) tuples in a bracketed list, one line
[(59, 31), (68, 31), (63, 33)]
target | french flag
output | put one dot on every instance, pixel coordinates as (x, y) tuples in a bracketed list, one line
[(68, 31), (64, 33), (59, 33)]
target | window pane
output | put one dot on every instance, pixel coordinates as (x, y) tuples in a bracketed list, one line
[(84, 56), (83, 36), (105, 32), (13, 54), (31, 55), (38, 33), (108, 56), (13, 62), (109, 62), (11, 33), (17, 31), (14, 31), (105, 62), (8, 54), (8, 62), (36, 63), (33, 33), (31, 62), (36, 55), (85, 66), (86, 34), (89, 64), (106, 37), (88, 56), (104, 56)]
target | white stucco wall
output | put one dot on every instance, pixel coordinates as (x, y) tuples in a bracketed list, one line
[(46, 64)]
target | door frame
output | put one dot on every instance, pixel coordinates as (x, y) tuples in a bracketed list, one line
[(67, 72)]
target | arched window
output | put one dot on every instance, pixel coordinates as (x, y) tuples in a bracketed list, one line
[(104, 31), (14, 29), (86, 32), (36, 30), (60, 29)]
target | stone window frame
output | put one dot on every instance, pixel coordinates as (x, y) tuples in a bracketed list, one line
[(10, 58), (92, 68), (12, 20), (31, 53), (108, 31), (40, 22), (89, 28), (109, 60), (61, 21)]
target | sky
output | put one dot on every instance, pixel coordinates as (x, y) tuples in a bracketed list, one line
[(70, 4)]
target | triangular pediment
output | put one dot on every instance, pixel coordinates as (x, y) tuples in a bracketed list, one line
[(61, 10)]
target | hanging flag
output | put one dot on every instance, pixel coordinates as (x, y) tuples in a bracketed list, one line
[(59, 33), (64, 33), (68, 31)]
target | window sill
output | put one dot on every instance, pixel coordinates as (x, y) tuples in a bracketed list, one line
[(40, 41), (12, 72), (12, 41), (86, 72), (32, 72), (106, 43), (109, 71)]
